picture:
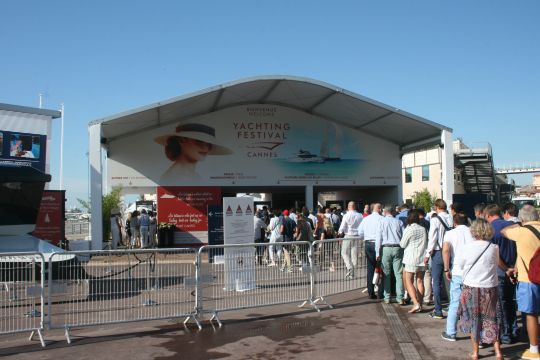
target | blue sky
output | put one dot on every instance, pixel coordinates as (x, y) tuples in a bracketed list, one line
[(471, 65)]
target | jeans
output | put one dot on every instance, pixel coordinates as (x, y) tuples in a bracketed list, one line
[(144, 236), (369, 248), (455, 294), (509, 327), (437, 271), (392, 259)]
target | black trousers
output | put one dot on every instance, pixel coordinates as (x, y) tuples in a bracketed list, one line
[(369, 247)]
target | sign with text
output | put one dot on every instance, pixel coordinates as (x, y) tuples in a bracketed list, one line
[(238, 229), (215, 225), (253, 144), (186, 206), (215, 230), (50, 221)]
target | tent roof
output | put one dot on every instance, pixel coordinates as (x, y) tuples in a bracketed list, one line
[(31, 110), (311, 96)]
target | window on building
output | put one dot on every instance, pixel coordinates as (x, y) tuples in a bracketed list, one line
[(408, 175), (425, 173)]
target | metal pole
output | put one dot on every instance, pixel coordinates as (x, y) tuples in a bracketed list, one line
[(62, 149)]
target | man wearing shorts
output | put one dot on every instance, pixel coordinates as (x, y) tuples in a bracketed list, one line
[(527, 293)]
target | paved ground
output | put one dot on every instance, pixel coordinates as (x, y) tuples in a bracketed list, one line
[(357, 328), (429, 330)]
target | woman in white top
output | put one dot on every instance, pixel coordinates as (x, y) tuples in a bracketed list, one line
[(414, 241), (479, 297)]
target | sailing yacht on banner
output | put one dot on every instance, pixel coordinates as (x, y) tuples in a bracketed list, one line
[(329, 152), (326, 154)]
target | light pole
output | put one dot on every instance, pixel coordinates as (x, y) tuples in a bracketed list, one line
[(62, 148)]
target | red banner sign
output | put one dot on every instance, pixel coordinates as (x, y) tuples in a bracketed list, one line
[(50, 221), (186, 206)]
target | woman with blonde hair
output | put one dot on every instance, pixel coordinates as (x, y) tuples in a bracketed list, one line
[(478, 310), (414, 243)]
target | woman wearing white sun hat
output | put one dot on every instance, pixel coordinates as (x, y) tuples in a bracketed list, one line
[(190, 144)]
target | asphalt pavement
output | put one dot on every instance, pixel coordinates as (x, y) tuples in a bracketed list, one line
[(356, 328)]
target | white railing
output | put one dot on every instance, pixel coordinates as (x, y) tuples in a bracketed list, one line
[(87, 288), (21, 293)]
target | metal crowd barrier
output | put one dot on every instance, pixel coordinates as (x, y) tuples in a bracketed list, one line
[(340, 267), (77, 228), (104, 287), (87, 288), (21, 294), (233, 277)]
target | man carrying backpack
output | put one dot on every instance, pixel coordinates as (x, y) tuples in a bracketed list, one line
[(438, 226), (527, 238)]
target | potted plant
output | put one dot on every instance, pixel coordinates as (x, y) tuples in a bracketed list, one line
[(166, 234)]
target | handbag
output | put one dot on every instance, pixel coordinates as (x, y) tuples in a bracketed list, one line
[(377, 276)]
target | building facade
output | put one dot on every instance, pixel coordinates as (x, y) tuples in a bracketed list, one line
[(422, 170)]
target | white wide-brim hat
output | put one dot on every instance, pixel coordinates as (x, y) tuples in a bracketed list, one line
[(198, 132)]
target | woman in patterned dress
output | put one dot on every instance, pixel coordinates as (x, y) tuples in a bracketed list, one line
[(478, 310)]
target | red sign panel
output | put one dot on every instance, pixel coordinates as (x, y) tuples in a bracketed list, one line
[(186, 206), (50, 220)]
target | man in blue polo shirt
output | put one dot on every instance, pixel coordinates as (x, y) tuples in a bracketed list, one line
[(508, 254)]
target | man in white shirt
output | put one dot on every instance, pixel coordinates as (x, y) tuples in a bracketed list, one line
[(259, 225), (454, 241), (438, 225), (368, 232), (349, 248), (313, 219), (292, 214)]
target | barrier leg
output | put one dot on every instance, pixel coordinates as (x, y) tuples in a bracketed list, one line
[(194, 317), (324, 302), (312, 303), (66, 334), (215, 316), (40, 335), (41, 338)]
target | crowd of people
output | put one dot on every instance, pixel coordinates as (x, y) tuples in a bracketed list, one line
[(480, 266), (139, 230)]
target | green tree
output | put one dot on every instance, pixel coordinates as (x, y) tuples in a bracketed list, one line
[(110, 201), (423, 199)]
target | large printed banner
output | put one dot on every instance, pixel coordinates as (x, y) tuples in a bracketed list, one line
[(257, 145), (186, 207), (238, 227), (22, 149), (50, 221)]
